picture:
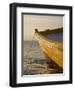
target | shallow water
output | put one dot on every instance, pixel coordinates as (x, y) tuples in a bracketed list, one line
[(35, 62)]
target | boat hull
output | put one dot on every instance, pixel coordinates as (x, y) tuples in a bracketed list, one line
[(51, 49)]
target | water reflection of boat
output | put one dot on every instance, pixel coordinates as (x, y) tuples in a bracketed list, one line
[(52, 49)]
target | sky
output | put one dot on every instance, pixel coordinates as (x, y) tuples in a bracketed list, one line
[(41, 22)]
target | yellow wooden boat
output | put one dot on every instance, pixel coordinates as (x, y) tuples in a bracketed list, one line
[(51, 48)]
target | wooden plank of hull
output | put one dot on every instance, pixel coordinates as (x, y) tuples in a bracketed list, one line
[(53, 50), (55, 54)]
